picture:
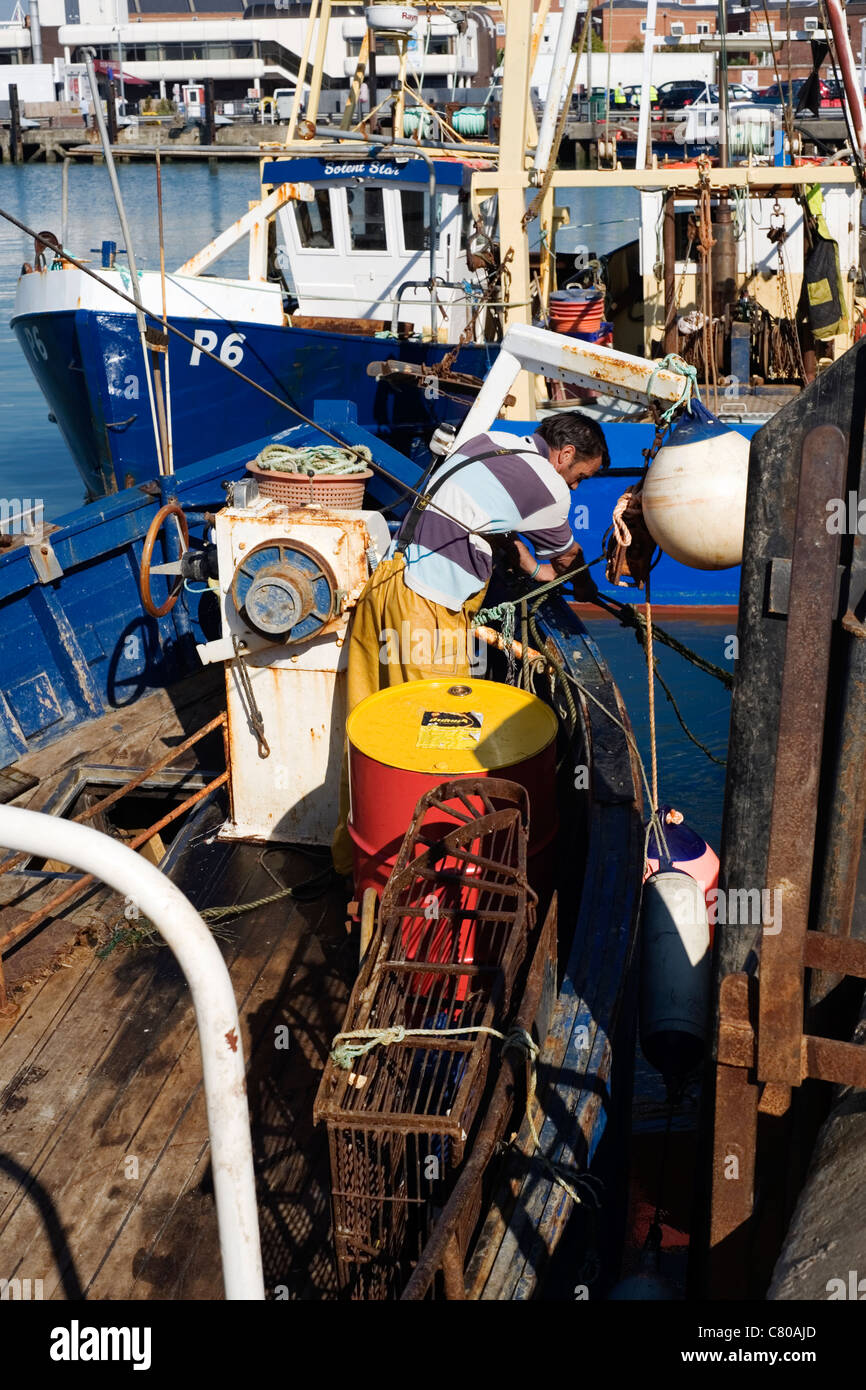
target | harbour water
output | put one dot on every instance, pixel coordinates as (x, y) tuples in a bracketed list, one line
[(34, 460)]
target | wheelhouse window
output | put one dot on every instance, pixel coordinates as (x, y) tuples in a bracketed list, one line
[(415, 207), (315, 228), (367, 219)]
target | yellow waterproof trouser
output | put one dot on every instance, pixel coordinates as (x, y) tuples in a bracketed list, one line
[(395, 635)]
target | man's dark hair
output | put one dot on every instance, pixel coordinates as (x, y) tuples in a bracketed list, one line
[(571, 427)]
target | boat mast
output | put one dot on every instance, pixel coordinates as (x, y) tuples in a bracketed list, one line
[(555, 90), (156, 407), (319, 62), (513, 241)]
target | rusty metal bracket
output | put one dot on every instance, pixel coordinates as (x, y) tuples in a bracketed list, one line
[(801, 726), (44, 559), (735, 1130), (779, 587)]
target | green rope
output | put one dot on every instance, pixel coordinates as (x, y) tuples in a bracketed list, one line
[(556, 669), (325, 459), (497, 612), (674, 363), (344, 1052), (220, 914), (558, 672)]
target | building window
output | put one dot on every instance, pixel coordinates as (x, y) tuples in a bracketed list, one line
[(703, 27), (367, 219), (315, 228)]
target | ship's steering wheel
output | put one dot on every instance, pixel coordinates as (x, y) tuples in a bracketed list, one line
[(147, 568)]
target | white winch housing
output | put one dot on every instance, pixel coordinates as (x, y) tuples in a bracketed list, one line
[(288, 578)]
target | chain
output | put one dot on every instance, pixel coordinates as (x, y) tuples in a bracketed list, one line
[(706, 242), (778, 235), (256, 718)]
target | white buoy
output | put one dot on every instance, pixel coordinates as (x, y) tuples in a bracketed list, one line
[(675, 973), (694, 497)]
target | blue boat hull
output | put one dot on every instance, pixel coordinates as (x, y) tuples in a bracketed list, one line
[(90, 370)]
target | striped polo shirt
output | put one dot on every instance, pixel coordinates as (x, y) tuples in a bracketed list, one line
[(515, 491)]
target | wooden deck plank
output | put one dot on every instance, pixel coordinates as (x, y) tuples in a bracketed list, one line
[(170, 1141), (163, 1242), (291, 1159), (44, 1008), (154, 1002)]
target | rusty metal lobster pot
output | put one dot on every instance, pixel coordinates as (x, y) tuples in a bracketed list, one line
[(407, 739)]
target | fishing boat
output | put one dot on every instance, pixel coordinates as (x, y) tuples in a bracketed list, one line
[(150, 703), (345, 290), (385, 270)]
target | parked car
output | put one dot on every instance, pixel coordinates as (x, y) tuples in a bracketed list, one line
[(835, 92), (782, 93), (738, 92), (674, 96)]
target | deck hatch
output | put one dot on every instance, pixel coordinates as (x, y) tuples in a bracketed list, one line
[(156, 797)]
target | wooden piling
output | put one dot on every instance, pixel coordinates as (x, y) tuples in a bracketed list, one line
[(111, 112), (16, 152), (209, 112)]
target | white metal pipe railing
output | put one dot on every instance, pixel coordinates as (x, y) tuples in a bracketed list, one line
[(645, 87), (558, 85), (216, 1014)]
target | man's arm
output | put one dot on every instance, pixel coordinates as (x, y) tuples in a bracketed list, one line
[(585, 588)]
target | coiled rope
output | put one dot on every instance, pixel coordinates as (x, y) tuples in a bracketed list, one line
[(316, 458), (620, 530)]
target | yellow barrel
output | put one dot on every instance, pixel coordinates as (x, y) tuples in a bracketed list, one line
[(409, 738)]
